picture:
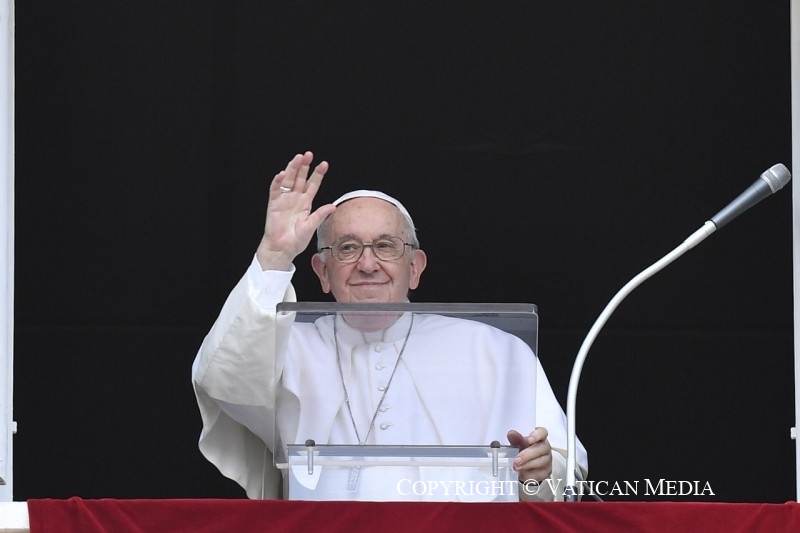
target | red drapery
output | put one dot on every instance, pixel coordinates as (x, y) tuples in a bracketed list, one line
[(243, 516)]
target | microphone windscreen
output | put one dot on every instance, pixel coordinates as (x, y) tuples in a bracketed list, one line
[(776, 177)]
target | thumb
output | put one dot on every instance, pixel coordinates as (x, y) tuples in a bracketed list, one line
[(515, 438)]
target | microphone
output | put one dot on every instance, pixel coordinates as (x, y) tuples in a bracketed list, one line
[(770, 182)]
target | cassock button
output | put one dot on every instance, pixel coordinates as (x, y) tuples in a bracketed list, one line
[(381, 388), (380, 366), (384, 408), (379, 347), (385, 426)]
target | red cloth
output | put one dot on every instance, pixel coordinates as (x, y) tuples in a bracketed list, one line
[(244, 516)]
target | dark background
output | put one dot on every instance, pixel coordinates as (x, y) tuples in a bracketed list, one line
[(549, 152)]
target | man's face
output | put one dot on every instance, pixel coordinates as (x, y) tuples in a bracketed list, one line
[(369, 279)]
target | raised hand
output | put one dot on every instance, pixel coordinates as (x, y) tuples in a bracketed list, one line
[(290, 223)]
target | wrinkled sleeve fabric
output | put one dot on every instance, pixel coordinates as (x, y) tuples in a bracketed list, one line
[(234, 376)]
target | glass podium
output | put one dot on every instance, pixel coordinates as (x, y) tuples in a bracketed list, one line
[(403, 401)]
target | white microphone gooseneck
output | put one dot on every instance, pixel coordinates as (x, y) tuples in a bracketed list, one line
[(768, 183)]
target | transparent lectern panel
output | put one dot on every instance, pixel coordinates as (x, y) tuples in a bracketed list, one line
[(391, 473), (391, 399)]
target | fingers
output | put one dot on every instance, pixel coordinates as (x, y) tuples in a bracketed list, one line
[(535, 459), (294, 178), (284, 181), (277, 187), (313, 183), (533, 451), (516, 438), (538, 435), (534, 466)]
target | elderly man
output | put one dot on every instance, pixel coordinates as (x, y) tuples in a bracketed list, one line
[(367, 252)]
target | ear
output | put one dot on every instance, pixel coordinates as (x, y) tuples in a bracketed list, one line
[(321, 270), (418, 263)]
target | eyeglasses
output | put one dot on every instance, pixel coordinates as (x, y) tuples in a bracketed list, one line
[(351, 250)]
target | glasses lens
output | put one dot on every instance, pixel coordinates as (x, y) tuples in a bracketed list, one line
[(347, 251), (350, 250), (388, 249)]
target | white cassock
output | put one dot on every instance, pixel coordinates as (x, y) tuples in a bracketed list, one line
[(458, 382)]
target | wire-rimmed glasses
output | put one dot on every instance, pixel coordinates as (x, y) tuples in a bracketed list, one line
[(350, 250)]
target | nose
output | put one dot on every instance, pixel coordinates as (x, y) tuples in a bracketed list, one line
[(368, 261)]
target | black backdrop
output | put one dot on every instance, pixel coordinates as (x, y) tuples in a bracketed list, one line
[(549, 151)]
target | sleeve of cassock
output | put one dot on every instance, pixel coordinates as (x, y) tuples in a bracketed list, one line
[(234, 377)]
